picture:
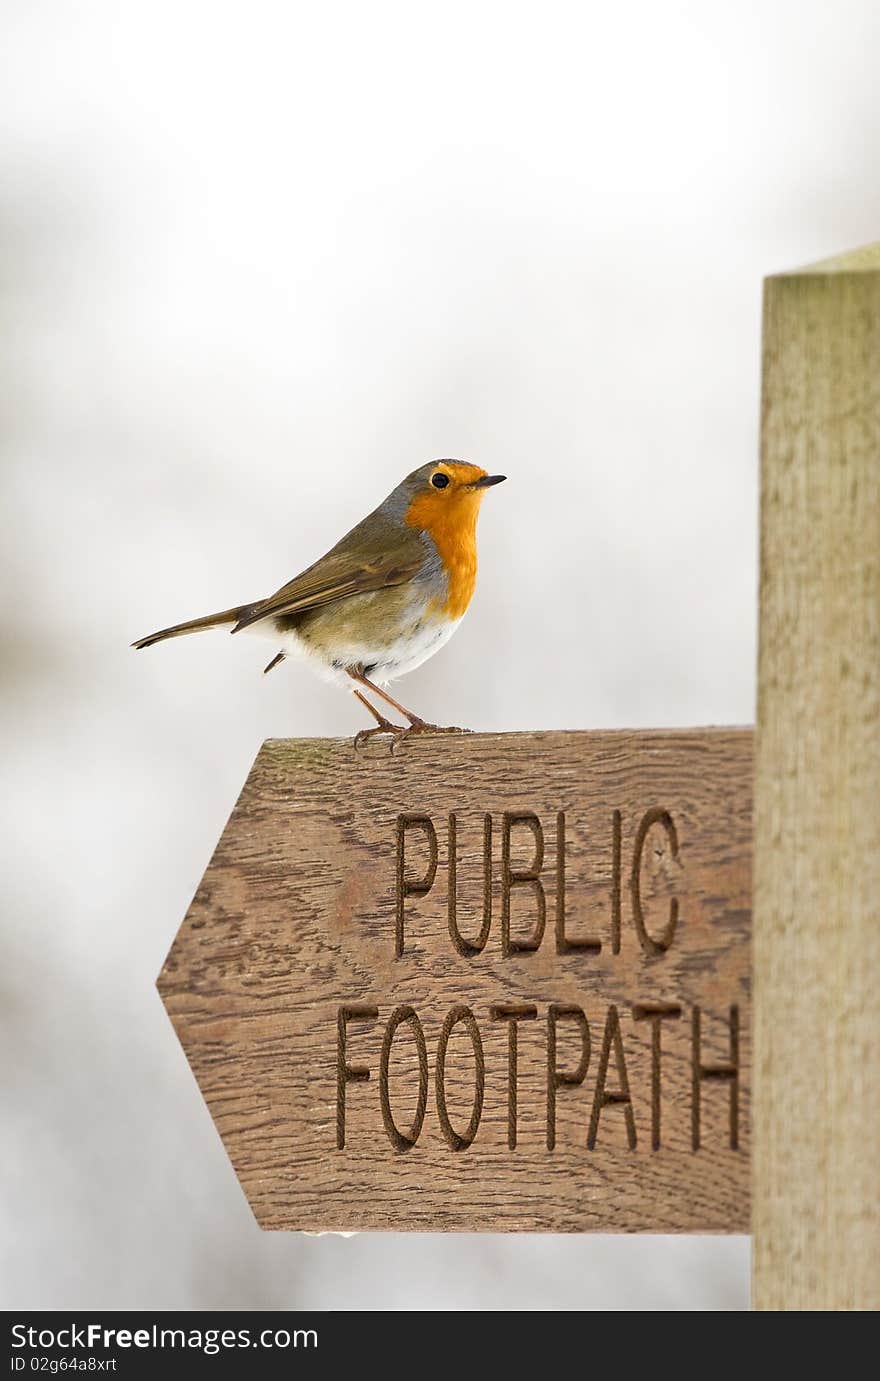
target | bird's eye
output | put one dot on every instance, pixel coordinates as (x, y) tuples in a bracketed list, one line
[(439, 480)]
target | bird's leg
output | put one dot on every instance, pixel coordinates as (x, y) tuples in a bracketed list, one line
[(417, 725), (389, 699), (383, 725)]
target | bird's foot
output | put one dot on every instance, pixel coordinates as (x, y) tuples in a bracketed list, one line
[(396, 732), (421, 726)]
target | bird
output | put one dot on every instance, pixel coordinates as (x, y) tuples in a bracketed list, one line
[(387, 597)]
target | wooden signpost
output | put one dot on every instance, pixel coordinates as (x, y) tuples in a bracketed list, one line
[(493, 982), (503, 982)]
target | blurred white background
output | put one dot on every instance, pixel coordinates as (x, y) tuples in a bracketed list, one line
[(258, 261)]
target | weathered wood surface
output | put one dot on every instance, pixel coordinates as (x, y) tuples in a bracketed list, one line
[(817, 861), (637, 983)]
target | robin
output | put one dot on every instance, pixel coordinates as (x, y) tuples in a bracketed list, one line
[(384, 599)]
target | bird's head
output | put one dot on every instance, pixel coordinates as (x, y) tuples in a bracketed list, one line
[(445, 494)]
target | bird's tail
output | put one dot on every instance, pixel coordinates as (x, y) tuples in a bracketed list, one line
[(228, 616)]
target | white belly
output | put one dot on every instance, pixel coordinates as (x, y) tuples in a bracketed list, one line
[(408, 651)]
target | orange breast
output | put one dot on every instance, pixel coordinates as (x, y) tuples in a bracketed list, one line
[(452, 523)]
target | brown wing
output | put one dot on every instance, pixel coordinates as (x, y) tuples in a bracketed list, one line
[(377, 553)]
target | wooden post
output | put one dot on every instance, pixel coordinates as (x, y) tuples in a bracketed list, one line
[(816, 1190)]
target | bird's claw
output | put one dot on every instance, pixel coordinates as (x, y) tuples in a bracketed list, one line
[(420, 726), (397, 733)]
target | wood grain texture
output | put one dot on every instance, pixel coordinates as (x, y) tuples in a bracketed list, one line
[(334, 860), (817, 859)]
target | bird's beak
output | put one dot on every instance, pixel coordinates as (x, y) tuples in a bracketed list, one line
[(487, 481)]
